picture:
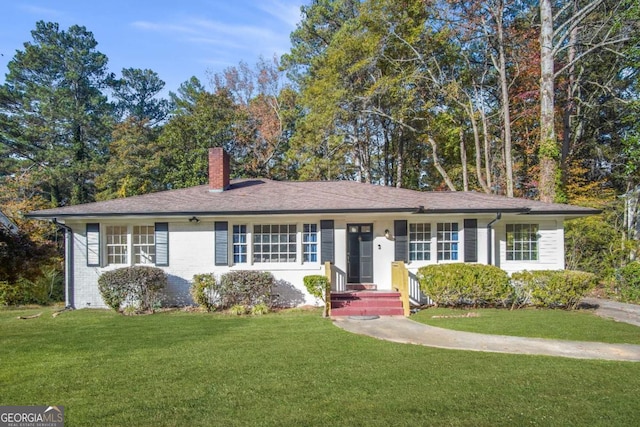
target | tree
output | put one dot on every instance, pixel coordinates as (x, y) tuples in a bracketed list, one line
[(135, 94), (267, 105), (578, 31), (54, 116), (130, 169), (202, 120)]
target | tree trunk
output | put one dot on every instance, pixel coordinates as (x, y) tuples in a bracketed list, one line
[(463, 160), (438, 166), (476, 140), (569, 107), (548, 150), (399, 162), (487, 148), (506, 115)]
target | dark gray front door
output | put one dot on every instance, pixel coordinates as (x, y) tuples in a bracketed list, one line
[(360, 253)]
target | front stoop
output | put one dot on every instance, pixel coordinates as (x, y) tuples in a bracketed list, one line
[(366, 303), (362, 287)]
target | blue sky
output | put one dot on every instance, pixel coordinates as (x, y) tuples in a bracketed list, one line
[(175, 38)]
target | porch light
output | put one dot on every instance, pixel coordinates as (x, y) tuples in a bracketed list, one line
[(387, 234), (194, 219)]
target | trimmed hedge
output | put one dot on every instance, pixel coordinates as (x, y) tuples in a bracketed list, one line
[(550, 288), (465, 284), (243, 288), (137, 286), (246, 287), (475, 285)]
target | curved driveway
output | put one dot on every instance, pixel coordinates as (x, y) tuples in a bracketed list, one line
[(404, 330)]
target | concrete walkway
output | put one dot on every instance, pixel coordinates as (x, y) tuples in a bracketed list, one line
[(620, 312), (404, 330)]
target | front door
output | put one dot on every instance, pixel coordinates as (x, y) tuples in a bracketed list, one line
[(360, 253)]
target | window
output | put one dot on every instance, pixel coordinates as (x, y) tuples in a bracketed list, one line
[(117, 246), (447, 241), (144, 245), (310, 243), (522, 242), (239, 244), (274, 243), (419, 242)]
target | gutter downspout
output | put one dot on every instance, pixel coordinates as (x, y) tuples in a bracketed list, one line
[(68, 263), (490, 238)]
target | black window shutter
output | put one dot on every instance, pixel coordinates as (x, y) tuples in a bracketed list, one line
[(93, 245), (470, 240), (162, 244), (327, 244), (402, 240), (222, 243)]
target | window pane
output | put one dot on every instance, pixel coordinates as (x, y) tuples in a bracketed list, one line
[(419, 242), (240, 244), (278, 243), (522, 242), (144, 251), (117, 246), (447, 237)]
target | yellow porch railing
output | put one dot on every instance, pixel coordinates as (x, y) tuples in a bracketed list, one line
[(400, 282), (327, 290)]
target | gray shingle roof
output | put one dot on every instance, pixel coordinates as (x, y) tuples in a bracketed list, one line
[(264, 196)]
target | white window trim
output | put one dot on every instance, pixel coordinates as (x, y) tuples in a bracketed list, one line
[(144, 255), (506, 244), (251, 263), (248, 235), (430, 241), (434, 243), (130, 246), (315, 242)]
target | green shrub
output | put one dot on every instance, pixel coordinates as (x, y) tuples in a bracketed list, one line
[(138, 286), (628, 282), (260, 309), (45, 288), (553, 289), (238, 309), (316, 285), (7, 293), (204, 291), (247, 288), (465, 284)]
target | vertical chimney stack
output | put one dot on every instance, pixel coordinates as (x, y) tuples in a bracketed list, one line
[(218, 169)]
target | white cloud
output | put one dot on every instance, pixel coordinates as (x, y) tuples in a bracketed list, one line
[(285, 12), (41, 11), (215, 42), (224, 35), (263, 31), (162, 27), (241, 31)]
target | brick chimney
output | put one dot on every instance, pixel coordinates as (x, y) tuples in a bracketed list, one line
[(218, 169)]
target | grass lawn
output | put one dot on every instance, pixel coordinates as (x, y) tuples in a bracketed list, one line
[(291, 369), (579, 325)]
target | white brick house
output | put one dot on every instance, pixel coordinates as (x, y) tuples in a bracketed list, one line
[(292, 228)]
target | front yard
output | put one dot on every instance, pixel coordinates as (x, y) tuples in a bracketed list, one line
[(576, 325), (292, 368)]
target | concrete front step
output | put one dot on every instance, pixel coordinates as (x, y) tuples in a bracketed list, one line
[(370, 311), (366, 303), (362, 287), (364, 295)]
